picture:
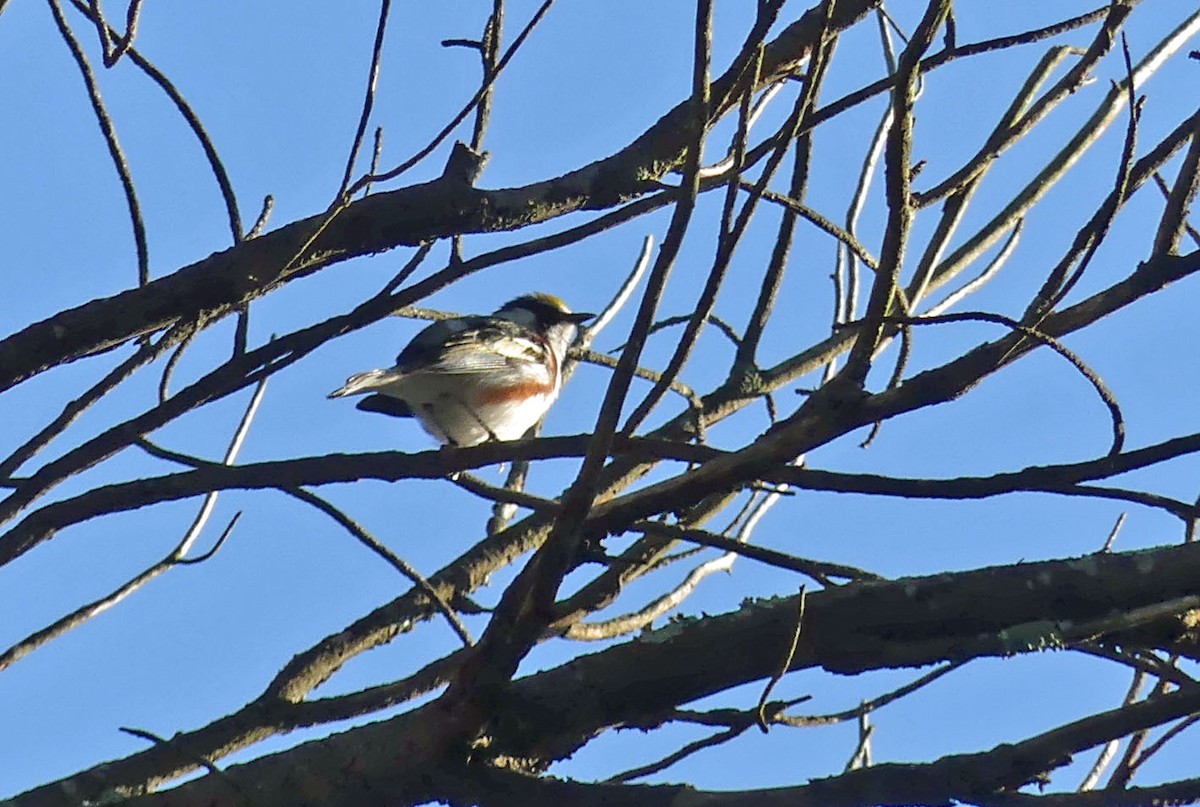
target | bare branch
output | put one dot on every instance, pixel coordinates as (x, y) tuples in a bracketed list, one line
[(368, 95), (108, 129)]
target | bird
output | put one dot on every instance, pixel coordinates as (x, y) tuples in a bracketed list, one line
[(469, 380)]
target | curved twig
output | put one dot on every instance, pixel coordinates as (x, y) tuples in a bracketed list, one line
[(1105, 395), (466, 110), (115, 152), (193, 121), (395, 561)]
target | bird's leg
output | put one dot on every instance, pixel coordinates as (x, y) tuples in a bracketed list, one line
[(443, 435), (447, 440), (470, 410)]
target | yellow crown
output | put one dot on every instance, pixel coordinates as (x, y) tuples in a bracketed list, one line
[(533, 301)]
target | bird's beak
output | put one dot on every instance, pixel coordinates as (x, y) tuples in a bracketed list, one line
[(580, 317)]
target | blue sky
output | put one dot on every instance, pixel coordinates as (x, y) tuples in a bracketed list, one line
[(279, 89)]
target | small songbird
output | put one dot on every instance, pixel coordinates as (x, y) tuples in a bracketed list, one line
[(472, 379)]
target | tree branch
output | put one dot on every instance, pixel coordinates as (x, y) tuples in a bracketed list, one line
[(217, 285)]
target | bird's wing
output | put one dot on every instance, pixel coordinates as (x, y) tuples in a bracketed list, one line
[(486, 347), (425, 346)]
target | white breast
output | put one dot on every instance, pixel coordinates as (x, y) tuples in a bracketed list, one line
[(464, 414)]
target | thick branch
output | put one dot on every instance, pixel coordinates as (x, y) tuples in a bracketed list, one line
[(939, 782), (861, 626)]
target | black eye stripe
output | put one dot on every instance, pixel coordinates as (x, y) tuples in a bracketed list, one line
[(545, 313)]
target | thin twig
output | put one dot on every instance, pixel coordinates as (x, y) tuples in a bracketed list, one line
[(1127, 767), (1018, 126), (844, 237), (846, 274), (727, 242), (898, 172), (1105, 395), (164, 381), (1167, 736), (368, 94), (861, 758), (1109, 751), (1174, 223), (589, 333), (108, 129), (817, 569), (1192, 232), (260, 223), (1143, 661), (1121, 190), (198, 759), (1112, 534), (143, 355), (621, 625), (712, 319), (602, 360), (132, 15), (676, 756), (175, 557), (489, 54), (963, 189), (990, 271), (874, 704), (231, 452), (783, 668), (506, 495), (193, 121), (216, 547), (395, 561), (466, 110), (731, 160)]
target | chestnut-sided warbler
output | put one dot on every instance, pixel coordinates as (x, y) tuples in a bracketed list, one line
[(472, 379)]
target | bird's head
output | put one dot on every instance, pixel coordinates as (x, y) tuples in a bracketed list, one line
[(547, 315)]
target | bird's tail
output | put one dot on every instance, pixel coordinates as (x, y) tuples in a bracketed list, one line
[(364, 382)]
